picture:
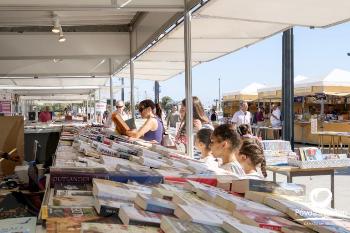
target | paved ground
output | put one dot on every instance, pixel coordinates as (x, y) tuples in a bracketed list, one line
[(341, 186)]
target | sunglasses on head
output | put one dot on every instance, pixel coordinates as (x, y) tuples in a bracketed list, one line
[(119, 106)]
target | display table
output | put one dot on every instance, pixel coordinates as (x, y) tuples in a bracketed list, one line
[(302, 132), (266, 132), (291, 172)]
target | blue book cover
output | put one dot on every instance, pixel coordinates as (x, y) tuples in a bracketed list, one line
[(139, 177)]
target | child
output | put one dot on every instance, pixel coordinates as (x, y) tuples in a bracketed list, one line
[(225, 144), (250, 156), (202, 144)]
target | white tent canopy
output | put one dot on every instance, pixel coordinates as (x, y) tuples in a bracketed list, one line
[(97, 42), (251, 89), (102, 35), (224, 26), (336, 77)]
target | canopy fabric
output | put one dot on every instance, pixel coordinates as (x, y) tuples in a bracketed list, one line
[(221, 27), (275, 92), (97, 42), (248, 93)]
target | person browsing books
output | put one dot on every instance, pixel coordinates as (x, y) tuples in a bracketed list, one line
[(200, 120), (250, 156), (45, 116), (202, 143), (120, 110), (225, 144), (153, 129)]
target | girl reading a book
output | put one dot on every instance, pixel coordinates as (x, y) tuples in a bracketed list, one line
[(202, 144), (152, 130), (251, 156), (200, 120), (225, 144)]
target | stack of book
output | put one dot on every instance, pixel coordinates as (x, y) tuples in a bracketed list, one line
[(276, 152)]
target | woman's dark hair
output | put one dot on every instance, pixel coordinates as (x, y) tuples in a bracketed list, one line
[(226, 132), (198, 110), (149, 103), (203, 135), (253, 149), (244, 129)]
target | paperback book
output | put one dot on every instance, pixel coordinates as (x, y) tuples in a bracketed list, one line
[(154, 204), (132, 216)]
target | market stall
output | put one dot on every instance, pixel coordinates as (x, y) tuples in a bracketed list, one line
[(326, 99), (231, 100)]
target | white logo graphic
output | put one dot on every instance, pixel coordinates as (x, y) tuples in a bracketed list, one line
[(315, 195)]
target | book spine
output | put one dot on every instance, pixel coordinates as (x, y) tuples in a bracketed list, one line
[(142, 179), (270, 227), (107, 211), (75, 178), (141, 223), (160, 209)]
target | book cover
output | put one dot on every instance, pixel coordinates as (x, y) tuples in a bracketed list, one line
[(108, 189), (11, 206), (148, 178), (235, 227), (232, 203), (193, 200), (73, 187), (75, 177), (282, 188), (63, 212), (104, 227), (154, 204), (174, 225), (68, 198), (18, 225), (258, 219), (119, 123), (201, 215), (105, 207), (132, 216), (312, 153)]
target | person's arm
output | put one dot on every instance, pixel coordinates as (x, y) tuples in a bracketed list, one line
[(147, 126)]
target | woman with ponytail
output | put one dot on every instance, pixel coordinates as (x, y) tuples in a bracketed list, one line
[(251, 156), (152, 129)]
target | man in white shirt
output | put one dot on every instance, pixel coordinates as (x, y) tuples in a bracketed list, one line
[(275, 120), (243, 116)]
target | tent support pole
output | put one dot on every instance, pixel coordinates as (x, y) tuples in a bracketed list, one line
[(188, 80), (122, 91), (156, 92), (288, 86), (111, 84), (95, 120), (132, 80)]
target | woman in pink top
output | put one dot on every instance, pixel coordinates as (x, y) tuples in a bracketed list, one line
[(45, 116)]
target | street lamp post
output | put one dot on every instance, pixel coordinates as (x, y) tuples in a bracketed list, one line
[(219, 109)]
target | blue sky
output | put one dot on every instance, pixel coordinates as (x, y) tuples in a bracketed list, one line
[(316, 53)]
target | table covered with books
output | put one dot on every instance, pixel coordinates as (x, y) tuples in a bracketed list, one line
[(108, 183)]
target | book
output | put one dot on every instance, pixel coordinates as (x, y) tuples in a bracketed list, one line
[(18, 225), (174, 225), (261, 219), (235, 227), (104, 227), (63, 212), (119, 191), (154, 204), (12, 206), (119, 123), (131, 216), (105, 207), (234, 203), (72, 187), (196, 214), (310, 153), (71, 198), (282, 188), (193, 200), (296, 229)]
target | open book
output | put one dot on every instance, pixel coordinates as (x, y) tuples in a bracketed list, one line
[(120, 125)]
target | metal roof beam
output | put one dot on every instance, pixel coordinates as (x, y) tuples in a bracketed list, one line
[(85, 28)]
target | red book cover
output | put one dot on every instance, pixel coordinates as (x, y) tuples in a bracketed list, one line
[(261, 219), (209, 181)]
